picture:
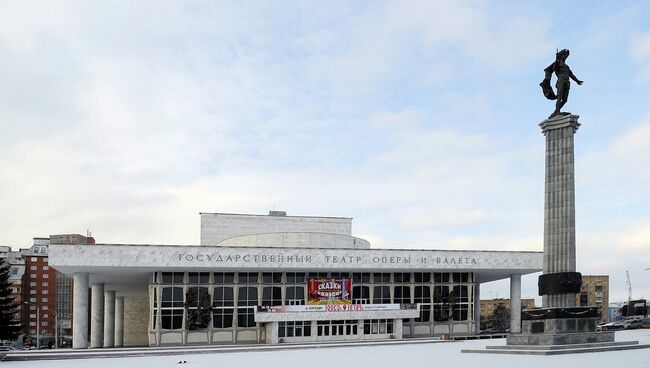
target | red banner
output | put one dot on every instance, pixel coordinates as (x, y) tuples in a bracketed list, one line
[(329, 291)]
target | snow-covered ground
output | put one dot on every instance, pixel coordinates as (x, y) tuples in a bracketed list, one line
[(415, 355)]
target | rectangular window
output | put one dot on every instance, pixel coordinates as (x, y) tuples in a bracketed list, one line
[(441, 277), (171, 319), (32, 292), (247, 277), (46, 276), (197, 301), (224, 277), (45, 292), (422, 277), (198, 277), (318, 275), (32, 276), (246, 302), (402, 294), (35, 259), (295, 295), (32, 307), (46, 268), (43, 323), (361, 294), (381, 295), (461, 277), (404, 278), (33, 268), (33, 315), (32, 324), (171, 313), (583, 300), (33, 283), (44, 300), (296, 278), (33, 300), (272, 277), (423, 297), (379, 278), (361, 278), (340, 275), (272, 295), (222, 307), (172, 277), (45, 283), (442, 305)]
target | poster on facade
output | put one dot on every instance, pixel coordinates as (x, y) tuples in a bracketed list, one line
[(329, 291)]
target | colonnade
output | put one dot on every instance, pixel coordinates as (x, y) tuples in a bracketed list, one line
[(106, 315)]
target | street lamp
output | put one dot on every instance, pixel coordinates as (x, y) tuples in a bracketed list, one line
[(38, 325)]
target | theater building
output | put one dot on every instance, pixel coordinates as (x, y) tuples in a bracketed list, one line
[(277, 279)]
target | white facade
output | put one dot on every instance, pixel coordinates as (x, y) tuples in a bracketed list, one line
[(249, 260)]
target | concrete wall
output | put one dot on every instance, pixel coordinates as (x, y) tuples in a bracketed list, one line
[(216, 227), (136, 318), (297, 240)]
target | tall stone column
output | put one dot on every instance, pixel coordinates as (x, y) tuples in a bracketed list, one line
[(560, 282), (80, 311), (119, 321), (97, 316), (515, 303), (109, 319)]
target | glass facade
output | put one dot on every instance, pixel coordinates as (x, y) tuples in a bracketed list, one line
[(226, 301)]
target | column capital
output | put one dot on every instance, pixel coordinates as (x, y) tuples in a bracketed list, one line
[(559, 122)]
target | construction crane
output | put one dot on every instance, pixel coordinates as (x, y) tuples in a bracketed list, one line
[(629, 292)]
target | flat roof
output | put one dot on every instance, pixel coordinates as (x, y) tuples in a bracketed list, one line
[(255, 215)]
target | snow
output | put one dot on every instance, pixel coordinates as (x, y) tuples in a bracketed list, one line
[(408, 355)]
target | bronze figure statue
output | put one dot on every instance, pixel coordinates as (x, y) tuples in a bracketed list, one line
[(563, 84)]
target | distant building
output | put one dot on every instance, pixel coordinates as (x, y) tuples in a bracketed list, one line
[(16, 272), (488, 306), (595, 292), (46, 289)]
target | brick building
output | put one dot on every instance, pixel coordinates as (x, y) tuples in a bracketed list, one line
[(595, 292)]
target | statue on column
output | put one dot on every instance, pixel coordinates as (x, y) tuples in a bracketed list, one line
[(563, 84)]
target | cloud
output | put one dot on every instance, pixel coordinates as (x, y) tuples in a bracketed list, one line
[(640, 50)]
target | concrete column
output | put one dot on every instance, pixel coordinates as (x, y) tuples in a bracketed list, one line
[(109, 319), (515, 303), (477, 308), (80, 311), (97, 316), (119, 321)]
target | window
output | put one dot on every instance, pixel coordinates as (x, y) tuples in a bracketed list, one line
[(32, 283), (46, 283), (402, 277), (35, 259), (377, 326), (32, 315), (197, 300), (246, 302), (295, 277), (440, 277), (272, 295), (44, 300), (381, 295), (442, 306), (402, 294), (198, 277), (224, 277), (583, 300), (171, 311), (421, 277), (45, 292), (33, 300), (340, 275), (32, 276), (32, 292), (46, 268), (294, 329), (172, 277), (461, 277), (32, 324), (43, 323), (222, 307), (247, 278), (361, 278), (361, 294), (381, 278), (318, 275), (295, 295), (33, 268), (46, 276), (423, 297), (272, 278), (32, 307)]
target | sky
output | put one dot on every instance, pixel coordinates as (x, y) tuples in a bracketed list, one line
[(419, 119)]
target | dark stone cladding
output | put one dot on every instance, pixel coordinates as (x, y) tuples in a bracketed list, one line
[(553, 313), (559, 283)]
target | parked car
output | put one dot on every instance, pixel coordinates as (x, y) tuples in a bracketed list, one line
[(631, 324)]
